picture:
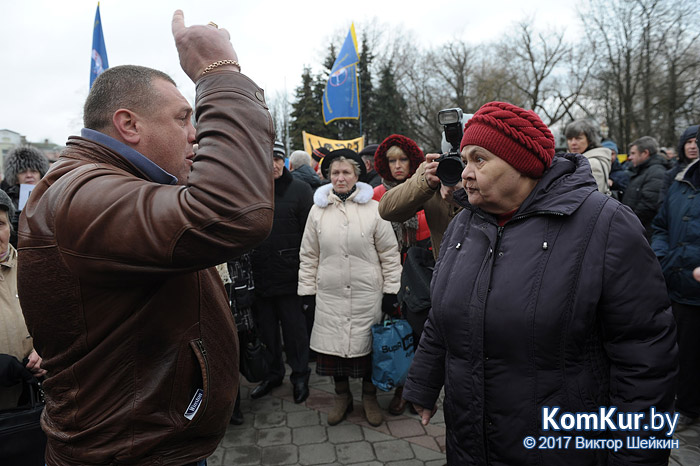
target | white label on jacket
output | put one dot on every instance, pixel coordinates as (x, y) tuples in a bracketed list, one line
[(194, 404)]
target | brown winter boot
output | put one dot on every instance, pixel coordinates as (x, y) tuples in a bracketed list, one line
[(373, 412), (343, 403), (397, 404)]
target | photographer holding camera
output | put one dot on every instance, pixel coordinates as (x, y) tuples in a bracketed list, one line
[(431, 186)]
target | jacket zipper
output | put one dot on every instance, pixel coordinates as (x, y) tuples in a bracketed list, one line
[(205, 376)]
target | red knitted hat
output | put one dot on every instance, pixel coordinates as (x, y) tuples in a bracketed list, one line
[(515, 135), (407, 145)]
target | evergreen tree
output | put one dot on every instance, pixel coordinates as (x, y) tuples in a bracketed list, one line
[(390, 113), (366, 92), (307, 113)]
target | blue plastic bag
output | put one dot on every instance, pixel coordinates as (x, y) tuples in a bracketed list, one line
[(392, 353)]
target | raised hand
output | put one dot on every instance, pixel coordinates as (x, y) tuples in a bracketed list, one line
[(200, 46)]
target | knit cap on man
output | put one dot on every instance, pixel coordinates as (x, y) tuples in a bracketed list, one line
[(513, 134), (278, 150)]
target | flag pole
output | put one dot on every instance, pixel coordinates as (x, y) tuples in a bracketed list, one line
[(359, 103)]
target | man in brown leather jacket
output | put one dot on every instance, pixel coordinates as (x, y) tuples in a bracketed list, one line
[(117, 248)]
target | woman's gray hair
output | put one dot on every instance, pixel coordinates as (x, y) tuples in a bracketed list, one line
[(585, 127), (353, 163)]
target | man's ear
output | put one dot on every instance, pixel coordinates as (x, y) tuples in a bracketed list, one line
[(125, 124)]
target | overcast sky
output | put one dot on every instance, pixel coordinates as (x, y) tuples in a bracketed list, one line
[(45, 45)]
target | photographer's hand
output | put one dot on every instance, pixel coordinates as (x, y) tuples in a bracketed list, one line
[(201, 46), (431, 171), (447, 191)]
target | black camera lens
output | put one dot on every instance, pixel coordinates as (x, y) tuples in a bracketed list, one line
[(449, 170)]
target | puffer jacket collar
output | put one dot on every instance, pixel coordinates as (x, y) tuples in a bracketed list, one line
[(283, 182), (569, 174), (324, 195), (654, 159)]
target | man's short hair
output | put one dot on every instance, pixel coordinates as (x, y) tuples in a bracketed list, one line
[(125, 86), (646, 143), (299, 158), (585, 127)]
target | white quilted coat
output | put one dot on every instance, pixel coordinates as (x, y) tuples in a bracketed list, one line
[(349, 258)]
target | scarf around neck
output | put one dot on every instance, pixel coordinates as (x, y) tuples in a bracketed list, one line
[(344, 197)]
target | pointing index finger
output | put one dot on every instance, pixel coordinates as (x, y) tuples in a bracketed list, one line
[(178, 21)]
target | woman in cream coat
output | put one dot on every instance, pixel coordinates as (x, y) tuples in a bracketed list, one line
[(349, 261)]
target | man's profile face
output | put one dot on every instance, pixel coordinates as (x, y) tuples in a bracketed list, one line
[(167, 134), (637, 157)]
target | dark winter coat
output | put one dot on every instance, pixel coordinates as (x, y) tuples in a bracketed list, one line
[(620, 178), (676, 240), (563, 306), (683, 160), (644, 190), (306, 174), (276, 260), (373, 178)]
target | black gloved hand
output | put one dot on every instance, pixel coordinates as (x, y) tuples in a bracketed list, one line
[(308, 303), (390, 306), (12, 371)]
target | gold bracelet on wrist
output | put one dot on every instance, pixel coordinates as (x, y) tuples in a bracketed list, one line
[(219, 63)]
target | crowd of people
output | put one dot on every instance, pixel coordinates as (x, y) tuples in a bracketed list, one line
[(559, 278)]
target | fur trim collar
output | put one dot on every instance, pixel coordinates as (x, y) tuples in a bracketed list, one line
[(324, 195)]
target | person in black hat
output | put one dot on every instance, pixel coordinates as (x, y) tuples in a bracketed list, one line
[(275, 265), (349, 265), (348, 154)]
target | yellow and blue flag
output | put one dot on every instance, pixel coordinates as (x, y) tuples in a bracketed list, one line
[(98, 58), (341, 98)]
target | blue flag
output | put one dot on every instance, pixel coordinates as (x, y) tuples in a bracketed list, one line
[(341, 98), (98, 58)]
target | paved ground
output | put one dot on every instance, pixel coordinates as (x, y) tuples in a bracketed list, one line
[(277, 432)]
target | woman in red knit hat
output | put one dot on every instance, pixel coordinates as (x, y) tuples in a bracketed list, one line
[(548, 305)]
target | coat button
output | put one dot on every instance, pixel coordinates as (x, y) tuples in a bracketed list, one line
[(686, 218), (259, 96)]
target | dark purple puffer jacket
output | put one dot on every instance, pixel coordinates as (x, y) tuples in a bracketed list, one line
[(563, 306)]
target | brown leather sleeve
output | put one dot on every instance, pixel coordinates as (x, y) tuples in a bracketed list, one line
[(111, 222), (403, 201)]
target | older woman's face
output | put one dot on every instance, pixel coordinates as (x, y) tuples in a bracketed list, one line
[(399, 165), (4, 232), (491, 183), (577, 144), (28, 177), (343, 177)]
